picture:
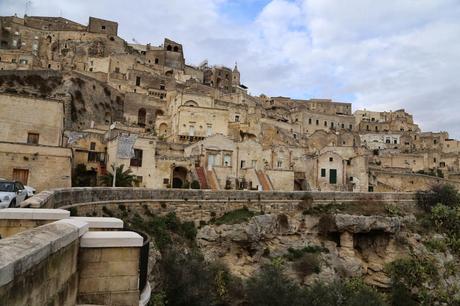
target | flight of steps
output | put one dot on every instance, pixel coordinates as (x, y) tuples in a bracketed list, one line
[(264, 180), (201, 174), (212, 179)]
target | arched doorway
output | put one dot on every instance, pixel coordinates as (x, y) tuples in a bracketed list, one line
[(179, 177), (141, 117)]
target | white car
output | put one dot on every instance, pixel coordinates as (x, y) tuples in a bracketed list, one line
[(30, 191), (12, 193)]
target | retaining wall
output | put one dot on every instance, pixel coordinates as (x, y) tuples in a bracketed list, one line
[(69, 196)]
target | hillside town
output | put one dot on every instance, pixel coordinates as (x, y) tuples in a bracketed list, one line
[(72, 96)]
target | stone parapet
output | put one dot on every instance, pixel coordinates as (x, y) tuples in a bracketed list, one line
[(43, 255), (70, 196), (16, 220), (108, 268), (101, 223)]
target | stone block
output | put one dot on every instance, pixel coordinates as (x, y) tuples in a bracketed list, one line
[(119, 254), (111, 239), (88, 255), (130, 298), (93, 284), (101, 222), (34, 214)]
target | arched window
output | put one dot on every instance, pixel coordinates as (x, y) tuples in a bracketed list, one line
[(141, 117), (169, 48), (176, 49)]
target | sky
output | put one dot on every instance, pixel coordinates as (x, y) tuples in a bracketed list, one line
[(378, 55)]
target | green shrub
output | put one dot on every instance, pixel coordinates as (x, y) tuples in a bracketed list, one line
[(294, 254), (235, 216), (436, 245), (73, 211), (349, 293), (444, 194), (270, 287), (195, 184), (307, 265)]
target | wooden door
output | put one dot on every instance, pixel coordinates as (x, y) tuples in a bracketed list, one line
[(21, 175)]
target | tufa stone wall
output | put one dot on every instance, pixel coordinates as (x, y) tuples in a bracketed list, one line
[(68, 196), (44, 275), (108, 276)]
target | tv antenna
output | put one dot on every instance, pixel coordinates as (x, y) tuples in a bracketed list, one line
[(28, 4)]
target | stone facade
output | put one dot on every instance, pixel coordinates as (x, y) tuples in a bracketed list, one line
[(248, 142)]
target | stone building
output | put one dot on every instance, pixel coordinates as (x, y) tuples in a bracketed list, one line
[(31, 142), (198, 123)]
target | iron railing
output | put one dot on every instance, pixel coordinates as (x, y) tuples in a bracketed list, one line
[(143, 259)]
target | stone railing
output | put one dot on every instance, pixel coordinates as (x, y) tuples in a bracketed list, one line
[(50, 258), (58, 198)]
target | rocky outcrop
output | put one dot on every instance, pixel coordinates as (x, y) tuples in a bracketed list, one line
[(360, 224), (364, 244)]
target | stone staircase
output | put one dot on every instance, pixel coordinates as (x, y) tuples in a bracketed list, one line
[(264, 180), (212, 179), (201, 174)]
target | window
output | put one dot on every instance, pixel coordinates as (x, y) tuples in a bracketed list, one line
[(165, 181), (191, 130), (332, 176), (323, 172), (332, 124), (103, 27), (136, 161), (343, 126), (138, 81), (237, 118), (92, 157), (162, 87), (387, 140), (253, 163), (92, 146), (32, 138), (227, 160), (434, 160), (309, 121), (141, 116), (23, 61), (242, 164), (317, 122), (435, 141), (157, 61), (209, 130), (295, 135), (331, 159), (325, 123), (348, 162), (117, 69), (279, 164)]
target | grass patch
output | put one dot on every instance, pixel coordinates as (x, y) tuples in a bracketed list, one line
[(294, 254), (235, 216)]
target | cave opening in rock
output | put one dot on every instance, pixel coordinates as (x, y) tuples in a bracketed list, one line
[(375, 241)]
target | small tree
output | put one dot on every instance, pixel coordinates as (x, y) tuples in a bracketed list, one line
[(124, 178), (82, 177), (444, 194)]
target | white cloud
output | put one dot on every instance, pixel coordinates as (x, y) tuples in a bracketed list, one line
[(377, 54)]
